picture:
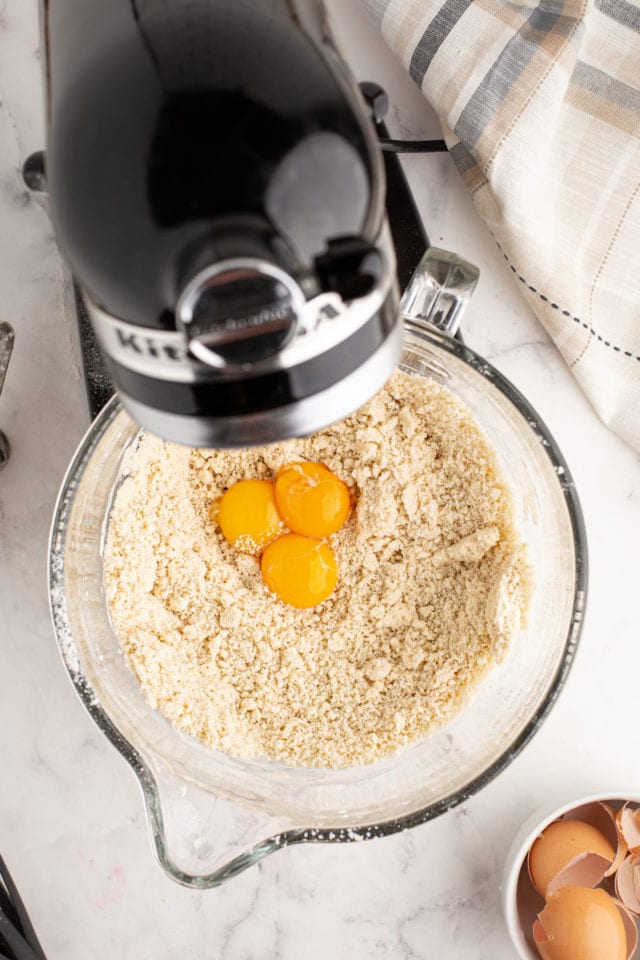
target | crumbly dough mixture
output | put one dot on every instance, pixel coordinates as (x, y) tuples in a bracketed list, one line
[(434, 583)]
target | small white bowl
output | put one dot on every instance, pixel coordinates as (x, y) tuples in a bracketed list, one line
[(515, 871)]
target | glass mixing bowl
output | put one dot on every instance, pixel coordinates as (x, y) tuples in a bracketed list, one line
[(212, 815)]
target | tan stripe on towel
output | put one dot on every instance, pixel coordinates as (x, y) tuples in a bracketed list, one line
[(614, 114)]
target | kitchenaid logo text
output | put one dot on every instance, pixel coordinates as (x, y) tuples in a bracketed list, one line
[(146, 346)]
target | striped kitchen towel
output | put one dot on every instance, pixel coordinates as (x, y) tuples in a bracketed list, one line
[(540, 107)]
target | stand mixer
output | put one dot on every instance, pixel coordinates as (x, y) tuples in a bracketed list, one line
[(218, 189)]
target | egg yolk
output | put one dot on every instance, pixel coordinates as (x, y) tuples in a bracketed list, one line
[(300, 571), (311, 500), (248, 516)]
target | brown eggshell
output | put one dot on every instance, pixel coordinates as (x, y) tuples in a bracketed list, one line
[(628, 884), (529, 904), (539, 933), (628, 820), (603, 818), (630, 928), (580, 923), (561, 846), (585, 871)]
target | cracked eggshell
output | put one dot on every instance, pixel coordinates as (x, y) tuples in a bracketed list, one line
[(630, 929), (579, 923), (569, 852), (628, 884), (603, 817), (587, 870), (628, 820)]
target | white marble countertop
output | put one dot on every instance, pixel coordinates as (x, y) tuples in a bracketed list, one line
[(72, 826)]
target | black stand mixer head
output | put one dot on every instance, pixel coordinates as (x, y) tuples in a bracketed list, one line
[(217, 187)]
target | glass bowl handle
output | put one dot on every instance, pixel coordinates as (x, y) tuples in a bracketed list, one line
[(439, 291)]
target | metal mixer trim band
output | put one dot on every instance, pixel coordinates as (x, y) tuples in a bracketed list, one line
[(164, 354), (293, 420)]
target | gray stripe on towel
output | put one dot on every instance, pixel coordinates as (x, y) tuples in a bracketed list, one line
[(435, 35), (604, 85), (463, 160), (499, 79), (625, 13), (376, 10)]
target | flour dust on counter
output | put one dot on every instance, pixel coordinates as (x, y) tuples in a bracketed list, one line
[(434, 583)]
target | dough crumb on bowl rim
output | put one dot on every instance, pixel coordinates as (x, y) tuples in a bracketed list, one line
[(434, 582)]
